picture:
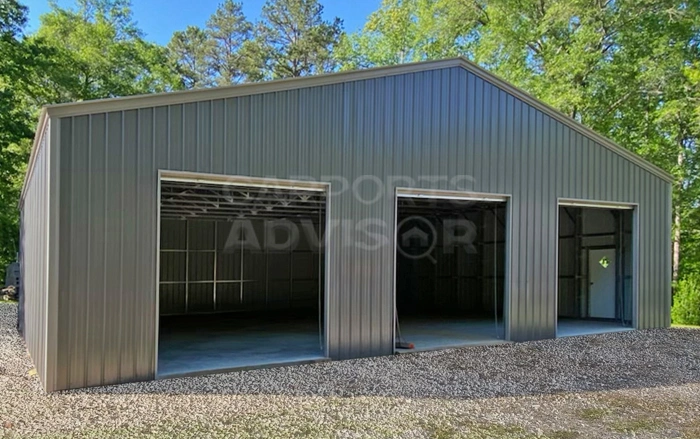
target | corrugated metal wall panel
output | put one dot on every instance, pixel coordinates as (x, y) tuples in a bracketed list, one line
[(34, 247), (445, 122)]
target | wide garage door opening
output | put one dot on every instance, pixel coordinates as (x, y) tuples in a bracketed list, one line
[(241, 277), (595, 270), (450, 266)]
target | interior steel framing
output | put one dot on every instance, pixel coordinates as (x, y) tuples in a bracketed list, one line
[(406, 192), (601, 204), (243, 182)]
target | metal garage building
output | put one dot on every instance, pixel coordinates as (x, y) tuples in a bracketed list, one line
[(135, 265)]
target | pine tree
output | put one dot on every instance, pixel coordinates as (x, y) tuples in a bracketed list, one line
[(229, 30), (293, 39), (189, 50)]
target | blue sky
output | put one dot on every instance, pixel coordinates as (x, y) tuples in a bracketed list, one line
[(160, 18)]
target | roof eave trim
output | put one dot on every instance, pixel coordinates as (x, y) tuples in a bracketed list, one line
[(248, 89), (38, 135)]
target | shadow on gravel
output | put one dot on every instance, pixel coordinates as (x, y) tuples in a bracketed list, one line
[(636, 359)]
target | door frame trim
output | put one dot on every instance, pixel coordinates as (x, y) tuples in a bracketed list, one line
[(600, 204), (237, 180), (435, 194)]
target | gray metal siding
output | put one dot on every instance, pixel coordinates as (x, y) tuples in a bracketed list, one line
[(34, 247), (442, 122)]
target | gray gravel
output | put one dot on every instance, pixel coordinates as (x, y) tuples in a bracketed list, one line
[(629, 384)]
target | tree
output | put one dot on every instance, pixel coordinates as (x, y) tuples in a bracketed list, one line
[(92, 51), (17, 58), (400, 31), (686, 301), (116, 12), (293, 40), (690, 233), (99, 53), (229, 31), (189, 50)]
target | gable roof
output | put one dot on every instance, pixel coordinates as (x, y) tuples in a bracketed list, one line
[(180, 97)]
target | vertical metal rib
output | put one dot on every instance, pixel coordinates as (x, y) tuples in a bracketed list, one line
[(216, 259), (495, 270), (240, 291), (320, 284), (187, 265)]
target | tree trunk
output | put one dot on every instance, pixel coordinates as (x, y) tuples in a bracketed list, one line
[(676, 243), (677, 229)]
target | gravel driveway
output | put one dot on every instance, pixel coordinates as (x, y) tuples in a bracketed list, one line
[(629, 384)]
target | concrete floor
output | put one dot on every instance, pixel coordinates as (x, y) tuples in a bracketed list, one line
[(442, 333), (216, 343), (221, 342), (573, 327)]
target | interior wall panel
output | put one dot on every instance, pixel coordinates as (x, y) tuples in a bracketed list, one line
[(446, 122)]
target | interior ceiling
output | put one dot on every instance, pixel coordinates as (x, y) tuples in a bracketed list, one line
[(434, 206), (187, 200)]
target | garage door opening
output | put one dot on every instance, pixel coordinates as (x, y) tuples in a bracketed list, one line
[(595, 270), (242, 272), (450, 267)]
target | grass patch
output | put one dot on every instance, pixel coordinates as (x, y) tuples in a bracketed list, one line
[(563, 434), (629, 415), (476, 430), (693, 430), (678, 325), (506, 431), (593, 414), (442, 431), (640, 425)]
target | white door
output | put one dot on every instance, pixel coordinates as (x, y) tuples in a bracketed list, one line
[(601, 272)]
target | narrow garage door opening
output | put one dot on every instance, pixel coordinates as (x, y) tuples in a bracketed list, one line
[(241, 277), (450, 265), (595, 270)]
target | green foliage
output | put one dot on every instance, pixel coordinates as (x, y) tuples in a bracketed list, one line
[(218, 55), (292, 39), (626, 68), (99, 53), (686, 301), (400, 31), (230, 32), (189, 50), (17, 58), (94, 51)]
